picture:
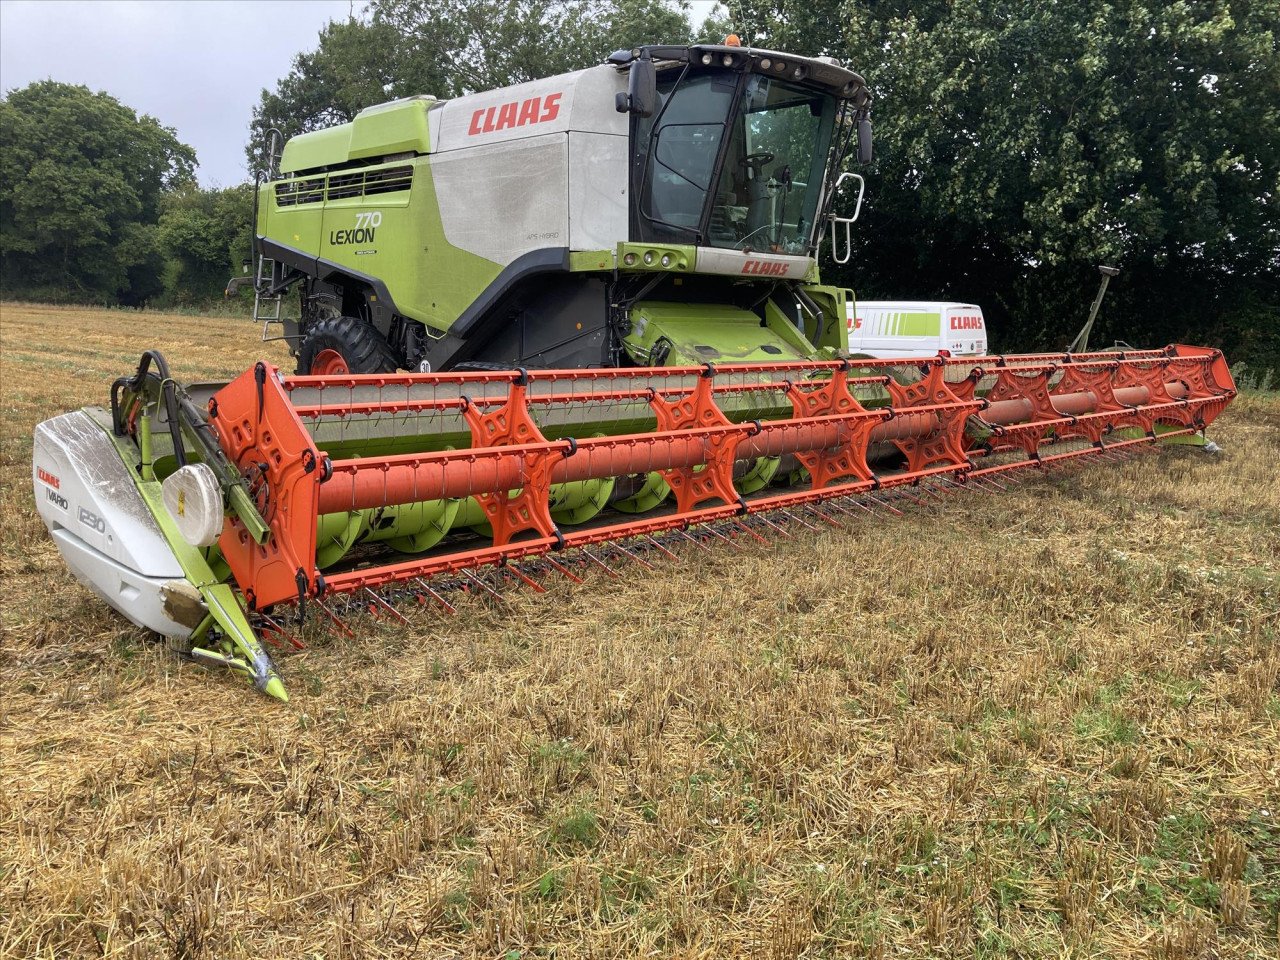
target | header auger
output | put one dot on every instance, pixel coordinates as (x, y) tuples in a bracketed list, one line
[(220, 515)]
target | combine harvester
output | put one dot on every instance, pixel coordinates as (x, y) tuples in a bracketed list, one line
[(614, 275)]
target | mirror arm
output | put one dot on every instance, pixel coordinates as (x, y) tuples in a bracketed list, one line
[(642, 88)]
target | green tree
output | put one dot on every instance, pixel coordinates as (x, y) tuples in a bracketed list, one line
[(448, 48), (205, 235), (82, 178), (355, 64), (1020, 143)]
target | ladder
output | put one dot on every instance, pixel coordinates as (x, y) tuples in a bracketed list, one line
[(268, 288), (267, 306)]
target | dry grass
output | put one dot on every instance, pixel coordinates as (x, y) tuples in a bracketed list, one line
[(1041, 724)]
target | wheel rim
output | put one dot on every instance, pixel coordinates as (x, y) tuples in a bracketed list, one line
[(329, 363)]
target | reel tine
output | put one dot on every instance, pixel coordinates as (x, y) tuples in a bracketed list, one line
[(557, 565), (600, 563), (334, 618), (515, 571), (290, 638), (773, 526), (835, 505), (482, 585), (692, 539), (747, 529), (800, 520), (710, 528), (386, 606), (448, 607), (825, 516), (268, 635), (982, 482), (631, 556), (902, 494), (857, 502), (888, 506), (658, 544)]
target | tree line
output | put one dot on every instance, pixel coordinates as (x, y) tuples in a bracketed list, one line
[(99, 205), (1017, 146)]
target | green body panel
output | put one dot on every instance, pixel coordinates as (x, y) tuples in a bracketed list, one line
[(833, 332), (299, 226), (429, 279), (785, 327), (905, 324), (320, 148), (590, 261), (1183, 439), (391, 128), (378, 131), (711, 333)]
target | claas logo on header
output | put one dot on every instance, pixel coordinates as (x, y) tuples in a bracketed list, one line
[(516, 113), (966, 323)]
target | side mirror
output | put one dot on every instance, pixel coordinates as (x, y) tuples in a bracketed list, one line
[(641, 97), (864, 139)]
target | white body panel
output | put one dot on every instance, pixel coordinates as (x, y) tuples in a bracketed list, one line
[(536, 165), (597, 196), (916, 328), (101, 525), (753, 265), (486, 204), (965, 330)]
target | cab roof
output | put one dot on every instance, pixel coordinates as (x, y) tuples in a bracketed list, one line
[(824, 73)]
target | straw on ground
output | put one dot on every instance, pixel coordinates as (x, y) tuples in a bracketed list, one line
[(1036, 724)]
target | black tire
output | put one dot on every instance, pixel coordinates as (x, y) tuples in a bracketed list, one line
[(363, 348)]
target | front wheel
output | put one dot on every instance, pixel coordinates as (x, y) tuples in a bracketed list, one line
[(336, 346)]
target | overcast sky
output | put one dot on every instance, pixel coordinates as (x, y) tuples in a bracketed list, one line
[(195, 65)]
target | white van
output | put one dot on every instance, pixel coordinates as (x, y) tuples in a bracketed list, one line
[(915, 328)]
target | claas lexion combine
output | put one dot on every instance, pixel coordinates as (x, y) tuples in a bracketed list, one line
[(606, 287)]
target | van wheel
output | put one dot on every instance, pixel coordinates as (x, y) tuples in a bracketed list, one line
[(336, 346)]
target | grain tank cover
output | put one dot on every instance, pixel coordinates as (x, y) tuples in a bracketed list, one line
[(387, 129)]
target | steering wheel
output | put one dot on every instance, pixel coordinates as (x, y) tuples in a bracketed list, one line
[(754, 161)]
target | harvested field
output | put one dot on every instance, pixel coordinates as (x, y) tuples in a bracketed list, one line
[(1039, 724)]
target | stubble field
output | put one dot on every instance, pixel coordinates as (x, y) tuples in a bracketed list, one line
[(1039, 724)]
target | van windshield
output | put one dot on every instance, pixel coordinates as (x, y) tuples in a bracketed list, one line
[(738, 171)]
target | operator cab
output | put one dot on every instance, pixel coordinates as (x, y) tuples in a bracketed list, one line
[(738, 147)]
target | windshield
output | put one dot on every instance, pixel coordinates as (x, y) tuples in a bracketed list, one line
[(771, 150)]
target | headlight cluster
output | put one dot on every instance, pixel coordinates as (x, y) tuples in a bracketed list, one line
[(661, 259)]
